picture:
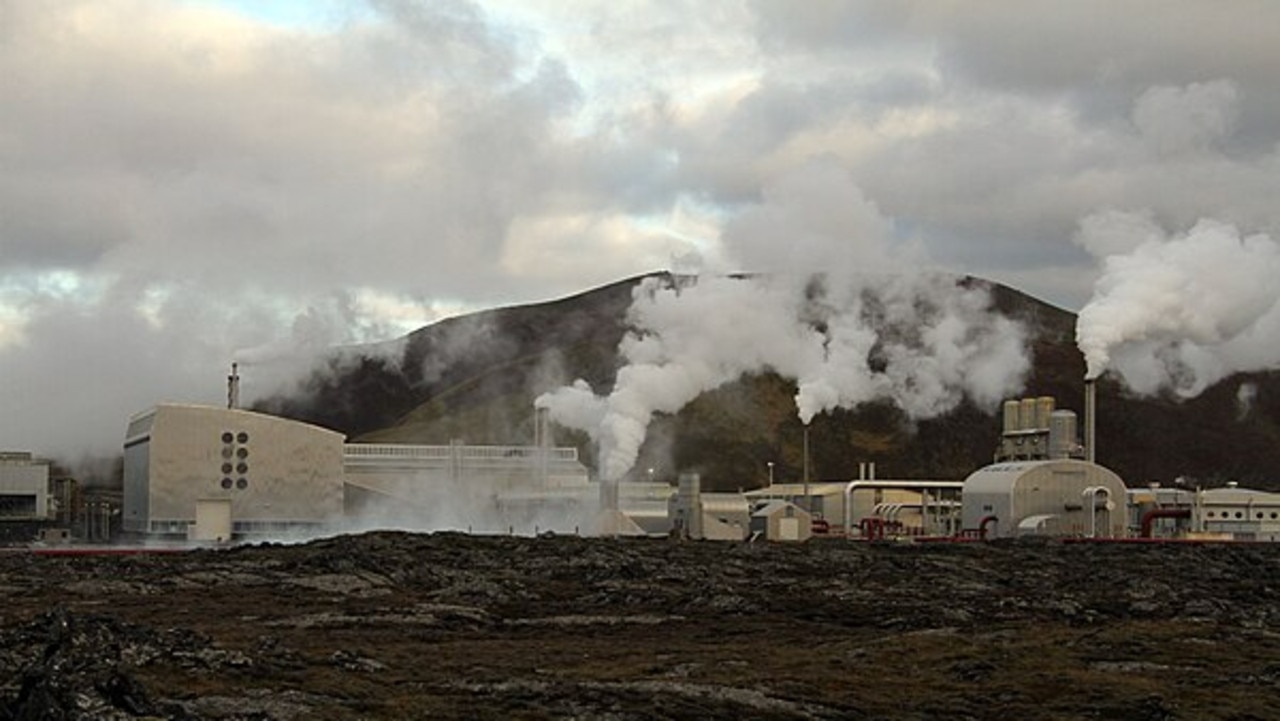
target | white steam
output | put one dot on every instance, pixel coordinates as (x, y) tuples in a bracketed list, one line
[(843, 310), (923, 343), (1179, 311)]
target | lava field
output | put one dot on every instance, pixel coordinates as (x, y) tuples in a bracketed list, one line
[(448, 626)]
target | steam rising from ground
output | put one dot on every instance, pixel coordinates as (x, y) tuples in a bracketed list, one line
[(1179, 311), (846, 337)]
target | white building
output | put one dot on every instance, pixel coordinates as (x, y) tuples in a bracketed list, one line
[(24, 486), (1063, 497), (238, 472), (1241, 514), (212, 473)]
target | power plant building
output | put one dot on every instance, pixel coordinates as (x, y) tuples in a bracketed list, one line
[(24, 486), (1065, 497), (237, 471), (210, 473)]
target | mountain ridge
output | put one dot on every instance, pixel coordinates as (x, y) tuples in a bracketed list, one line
[(474, 378)]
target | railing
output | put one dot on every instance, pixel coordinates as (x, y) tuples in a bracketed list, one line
[(375, 452)]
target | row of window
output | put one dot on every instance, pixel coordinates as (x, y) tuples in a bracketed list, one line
[(240, 483), (1239, 514)]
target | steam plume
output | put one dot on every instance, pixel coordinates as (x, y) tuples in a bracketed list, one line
[(1180, 311), (842, 313), (922, 343)]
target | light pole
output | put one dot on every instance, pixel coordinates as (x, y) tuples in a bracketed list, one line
[(770, 464)]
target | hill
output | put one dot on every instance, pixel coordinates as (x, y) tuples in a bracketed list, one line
[(475, 377)]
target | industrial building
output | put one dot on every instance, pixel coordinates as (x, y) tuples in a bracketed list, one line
[(1039, 484), (210, 473), (24, 486)]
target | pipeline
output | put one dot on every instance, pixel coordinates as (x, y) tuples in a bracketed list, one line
[(982, 526), (1149, 518), (874, 528)]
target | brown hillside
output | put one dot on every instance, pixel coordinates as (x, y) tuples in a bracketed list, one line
[(475, 378)]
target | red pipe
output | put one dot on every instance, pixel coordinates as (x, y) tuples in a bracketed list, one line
[(982, 526), (1149, 518)]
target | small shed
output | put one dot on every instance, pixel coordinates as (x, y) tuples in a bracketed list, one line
[(781, 521), (1062, 497)]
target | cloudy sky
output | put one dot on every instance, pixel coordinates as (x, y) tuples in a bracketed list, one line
[(184, 182)]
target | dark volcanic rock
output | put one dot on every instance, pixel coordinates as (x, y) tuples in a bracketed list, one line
[(395, 625)]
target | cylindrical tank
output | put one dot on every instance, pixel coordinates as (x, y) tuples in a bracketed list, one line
[(1044, 412), (1062, 434), (1028, 414), (1011, 422)]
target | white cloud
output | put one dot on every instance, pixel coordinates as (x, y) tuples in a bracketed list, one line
[(211, 176)]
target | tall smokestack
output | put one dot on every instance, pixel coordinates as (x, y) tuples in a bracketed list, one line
[(233, 387), (1090, 413)]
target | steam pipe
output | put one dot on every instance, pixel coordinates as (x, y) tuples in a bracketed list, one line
[(1090, 420), (852, 486), (1149, 518), (233, 387)]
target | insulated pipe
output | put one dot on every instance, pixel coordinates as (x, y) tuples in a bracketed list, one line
[(1149, 518), (908, 485), (982, 526), (1090, 420)]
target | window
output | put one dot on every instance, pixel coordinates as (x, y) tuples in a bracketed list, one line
[(242, 437), (227, 437), (242, 453), (242, 483), (226, 483)]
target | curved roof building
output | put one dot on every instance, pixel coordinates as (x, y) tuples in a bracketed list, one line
[(1060, 497)]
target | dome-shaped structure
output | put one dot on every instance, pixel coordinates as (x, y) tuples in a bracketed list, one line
[(1063, 497)]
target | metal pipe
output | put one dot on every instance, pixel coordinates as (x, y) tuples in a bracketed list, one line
[(982, 526), (1149, 518), (852, 486), (1090, 411)]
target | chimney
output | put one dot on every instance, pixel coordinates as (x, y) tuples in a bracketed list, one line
[(233, 387), (1090, 419)]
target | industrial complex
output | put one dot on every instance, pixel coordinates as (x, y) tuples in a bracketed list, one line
[(214, 474)]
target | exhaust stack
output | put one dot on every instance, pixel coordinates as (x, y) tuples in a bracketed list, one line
[(233, 387), (1090, 413)]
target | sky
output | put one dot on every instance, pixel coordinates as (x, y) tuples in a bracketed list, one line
[(188, 182)]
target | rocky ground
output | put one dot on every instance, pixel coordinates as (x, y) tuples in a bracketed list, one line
[(395, 626)]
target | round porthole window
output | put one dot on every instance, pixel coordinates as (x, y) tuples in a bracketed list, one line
[(227, 437), (227, 452), (242, 452), (226, 467), (242, 483), (242, 468), (226, 483), (242, 437)]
